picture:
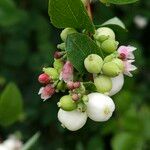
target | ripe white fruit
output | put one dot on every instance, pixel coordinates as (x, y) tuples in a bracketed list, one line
[(72, 120), (117, 84), (100, 107)]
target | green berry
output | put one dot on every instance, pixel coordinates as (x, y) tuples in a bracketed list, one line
[(93, 63), (111, 69), (66, 103), (66, 32), (52, 72), (109, 46), (103, 83), (119, 63), (104, 33), (58, 65)]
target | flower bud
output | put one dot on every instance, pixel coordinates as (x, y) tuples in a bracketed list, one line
[(61, 46), (66, 103), (93, 63), (44, 78), (58, 65), (72, 120), (67, 72), (57, 55), (75, 97), (76, 84), (66, 32), (109, 46), (104, 33), (111, 69), (100, 107), (103, 84), (52, 72), (70, 85)]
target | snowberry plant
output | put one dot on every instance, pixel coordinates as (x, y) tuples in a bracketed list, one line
[(89, 65)]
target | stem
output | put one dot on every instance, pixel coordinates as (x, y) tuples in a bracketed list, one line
[(89, 10)]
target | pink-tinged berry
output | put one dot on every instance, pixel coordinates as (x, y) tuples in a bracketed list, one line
[(67, 72), (46, 92), (44, 78), (70, 85), (57, 55), (76, 84), (75, 97)]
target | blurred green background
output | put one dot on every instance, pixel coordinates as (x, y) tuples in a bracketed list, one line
[(27, 43)]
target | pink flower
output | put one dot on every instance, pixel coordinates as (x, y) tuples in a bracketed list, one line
[(44, 78), (128, 67), (67, 72), (126, 52), (46, 92)]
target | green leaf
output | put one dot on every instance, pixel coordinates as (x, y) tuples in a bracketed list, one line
[(31, 141), (121, 2), (78, 47), (90, 86), (115, 22), (69, 13), (10, 105)]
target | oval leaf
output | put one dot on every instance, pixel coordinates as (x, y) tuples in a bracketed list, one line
[(78, 47), (69, 13), (10, 105)]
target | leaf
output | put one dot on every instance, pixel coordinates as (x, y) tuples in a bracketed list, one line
[(69, 13), (89, 86), (115, 22), (78, 47), (31, 141), (10, 105), (121, 2)]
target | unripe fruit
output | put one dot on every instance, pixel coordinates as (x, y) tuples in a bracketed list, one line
[(93, 63), (44, 78), (72, 120), (58, 65), (119, 63), (111, 69), (61, 86), (66, 32), (117, 84), (52, 72), (103, 84), (109, 46), (66, 103), (104, 33), (100, 107)]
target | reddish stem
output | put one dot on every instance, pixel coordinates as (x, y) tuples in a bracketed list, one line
[(89, 10)]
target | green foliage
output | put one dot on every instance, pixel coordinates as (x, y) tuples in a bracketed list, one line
[(121, 2), (77, 50), (68, 13), (10, 105)]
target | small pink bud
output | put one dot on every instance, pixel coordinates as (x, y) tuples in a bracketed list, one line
[(67, 72), (46, 92), (76, 84), (44, 78), (57, 55), (75, 97), (70, 85)]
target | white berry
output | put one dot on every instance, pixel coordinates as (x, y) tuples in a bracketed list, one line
[(72, 120), (117, 84), (100, 107)]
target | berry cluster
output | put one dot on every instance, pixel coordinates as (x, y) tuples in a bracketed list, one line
[(105, 73)]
